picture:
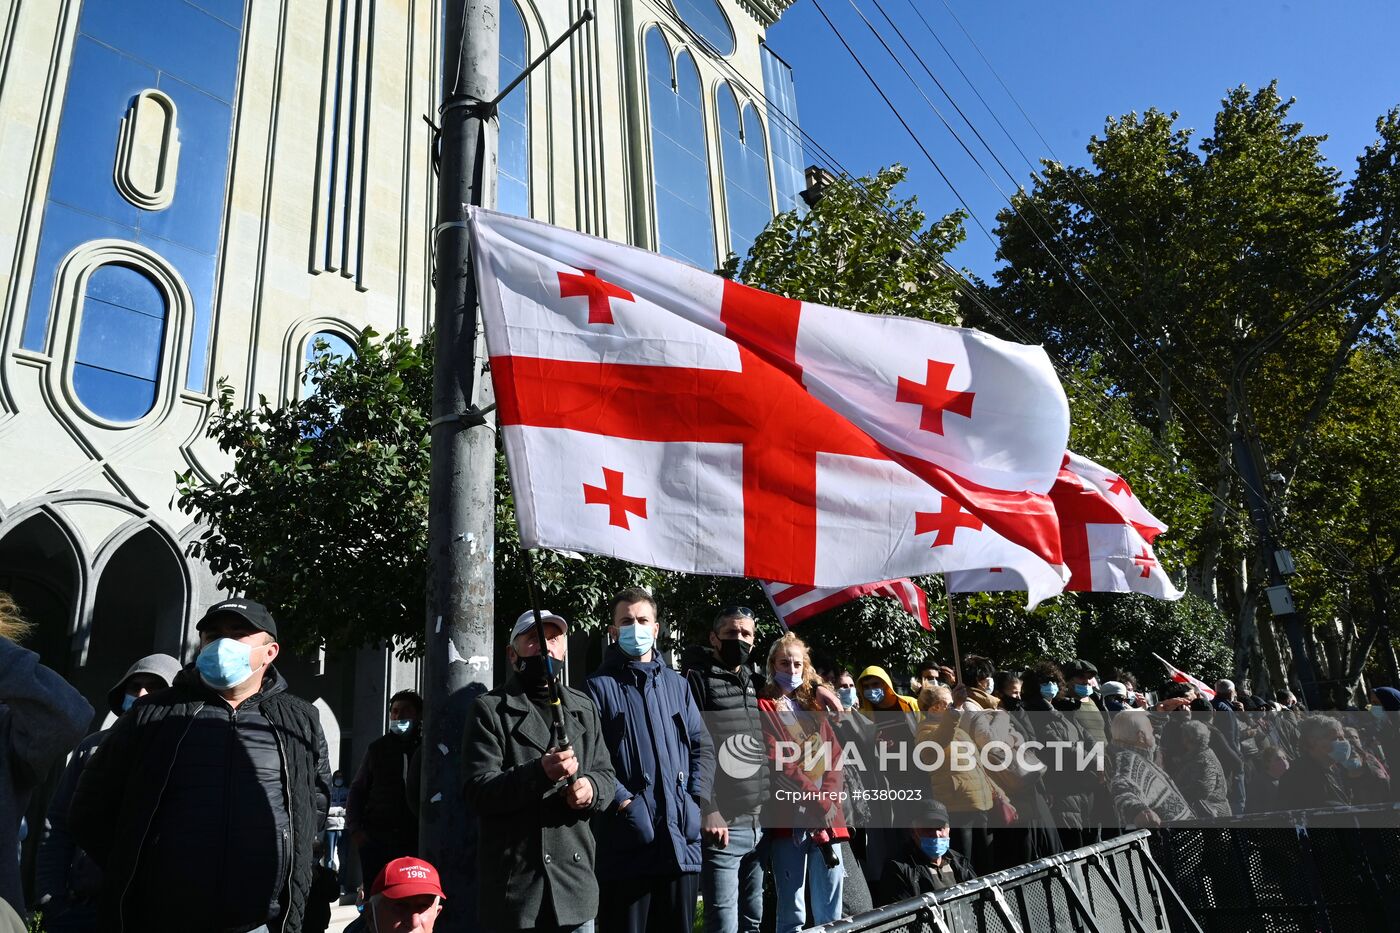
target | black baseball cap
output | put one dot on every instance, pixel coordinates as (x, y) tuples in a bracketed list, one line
[(254, 613), (933, 815), (1080, 668)]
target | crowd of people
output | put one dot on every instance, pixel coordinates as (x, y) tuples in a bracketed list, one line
[(718, 785)]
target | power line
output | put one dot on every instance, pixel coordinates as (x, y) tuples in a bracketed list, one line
[(966, 288)]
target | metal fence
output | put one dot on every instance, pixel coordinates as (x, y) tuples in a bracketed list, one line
[(1326, 874), (1110, 887)]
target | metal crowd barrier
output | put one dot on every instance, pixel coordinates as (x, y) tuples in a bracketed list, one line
[(1109, 887), (1333, 872)]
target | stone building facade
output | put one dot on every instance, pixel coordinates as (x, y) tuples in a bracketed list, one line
[(197, 189)]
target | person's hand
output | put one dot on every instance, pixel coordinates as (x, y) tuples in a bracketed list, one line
[(1174, 704), (959, 695), (579, 794), (947, 675), (625, 804), (560, 765), (715, 830), (1148, 819)]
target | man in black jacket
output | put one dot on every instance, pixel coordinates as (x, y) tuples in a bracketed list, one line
[(377, 814), (731, 873), (202, 804), (927, 864), (533, 800)]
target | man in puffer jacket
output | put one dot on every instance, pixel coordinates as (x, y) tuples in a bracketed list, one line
[(202, 805), (66, 880), (649, 836)]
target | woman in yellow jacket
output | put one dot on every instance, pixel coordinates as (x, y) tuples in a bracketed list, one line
[(957, 777)]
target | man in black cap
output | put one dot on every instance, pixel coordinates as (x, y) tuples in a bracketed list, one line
[(926, 864), (202, 804)]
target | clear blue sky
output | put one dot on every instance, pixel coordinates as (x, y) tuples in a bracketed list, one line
[(1070, 64)]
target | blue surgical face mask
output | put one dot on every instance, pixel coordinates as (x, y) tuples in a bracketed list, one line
[(847, 696), (1082, 690), (875, 695), (789, 682), (1049, 691), (225, 663), (1341, 750), (934, 846), (636, 639), (402, 726), (127, 700)]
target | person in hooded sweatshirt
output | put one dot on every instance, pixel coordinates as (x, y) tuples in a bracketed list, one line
[(41, 719), (204, 802), (893, 720), (649, 835), (66, 881)]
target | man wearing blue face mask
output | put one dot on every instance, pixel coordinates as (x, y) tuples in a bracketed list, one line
[(378, 817), (66, 880), (202, 805), (649, 856), (927, 863)]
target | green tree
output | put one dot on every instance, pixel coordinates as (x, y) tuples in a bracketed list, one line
[(1219, 288), (323, 514)]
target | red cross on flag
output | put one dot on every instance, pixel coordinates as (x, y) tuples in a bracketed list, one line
[(1106, 537), (666, 416), (794, 603)]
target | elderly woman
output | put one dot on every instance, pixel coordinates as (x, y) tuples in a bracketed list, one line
[(1144, 795)]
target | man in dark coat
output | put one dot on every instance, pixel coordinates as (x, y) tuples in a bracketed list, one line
[(203, 803), (41, 719), (377, 813), (649, 837), (927, 864), (532, 799)]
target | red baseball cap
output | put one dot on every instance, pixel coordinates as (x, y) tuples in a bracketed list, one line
[(407, 877)]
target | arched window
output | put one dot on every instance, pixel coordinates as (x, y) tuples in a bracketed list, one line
[(708, 22), (320, 344), (513, 158), (121, 338), (680, 164), (744, 157)]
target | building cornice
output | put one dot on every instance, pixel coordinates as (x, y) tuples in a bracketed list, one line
[(766, 12)]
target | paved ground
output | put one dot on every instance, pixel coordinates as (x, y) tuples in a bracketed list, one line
[(341, 917)]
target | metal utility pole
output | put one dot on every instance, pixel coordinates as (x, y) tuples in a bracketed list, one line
[(459, 641)]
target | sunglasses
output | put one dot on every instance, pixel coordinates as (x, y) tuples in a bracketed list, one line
[(728, 611)]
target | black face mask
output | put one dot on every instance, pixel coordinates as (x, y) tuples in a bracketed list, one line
[(1011, 704), (534, 676), (734, 652)]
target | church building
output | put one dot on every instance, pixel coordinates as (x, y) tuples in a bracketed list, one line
[(197, 190)]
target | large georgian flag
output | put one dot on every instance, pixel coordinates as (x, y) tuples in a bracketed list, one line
[(1106, 534), (667, 416)]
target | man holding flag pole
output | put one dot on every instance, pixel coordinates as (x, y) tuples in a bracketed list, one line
[(535, 772)]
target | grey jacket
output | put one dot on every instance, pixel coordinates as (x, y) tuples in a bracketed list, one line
[(531, 841), (41, 719)]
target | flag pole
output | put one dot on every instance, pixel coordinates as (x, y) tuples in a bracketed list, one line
[(558, 735), (953, 630)]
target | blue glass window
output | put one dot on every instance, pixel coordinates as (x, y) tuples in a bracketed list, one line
[(320, 344), (707, 21), (679, 161), (513, 159), (788, 161), (120, 341), (744, 157)]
